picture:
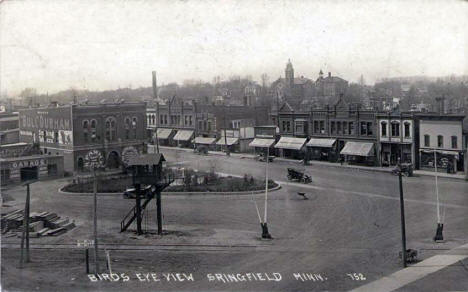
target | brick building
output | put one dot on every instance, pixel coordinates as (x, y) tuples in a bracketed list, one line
[(9, 128), (178, 122), (112, 131), (343, 129)]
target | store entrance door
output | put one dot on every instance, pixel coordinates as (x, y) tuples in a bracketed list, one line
[(28, 173)]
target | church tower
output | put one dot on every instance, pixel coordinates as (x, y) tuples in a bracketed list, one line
[(289, 74)]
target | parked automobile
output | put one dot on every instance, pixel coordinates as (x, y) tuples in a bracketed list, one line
[(130, 192)]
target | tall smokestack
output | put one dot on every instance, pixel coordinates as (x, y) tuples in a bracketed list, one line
[(155, 86)]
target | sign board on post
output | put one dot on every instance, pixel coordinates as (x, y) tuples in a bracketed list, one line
[(128, 153), (94, 159), (85, 243)]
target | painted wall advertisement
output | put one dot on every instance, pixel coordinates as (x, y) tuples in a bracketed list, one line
[(52, 119)]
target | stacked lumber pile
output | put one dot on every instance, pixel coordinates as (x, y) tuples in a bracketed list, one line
[(40, 224)]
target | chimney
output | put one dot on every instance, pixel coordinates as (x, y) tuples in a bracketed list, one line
[(440, 105), (329, 74), (155, 86)]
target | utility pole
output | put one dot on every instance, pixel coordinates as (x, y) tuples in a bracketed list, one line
[(96, 258), (25, 233), (138, 208), (402, 210), (225, 137), (265, 233), (159, 211), (440, 226)]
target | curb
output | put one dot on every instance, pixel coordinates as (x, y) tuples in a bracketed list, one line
[(243, 193)]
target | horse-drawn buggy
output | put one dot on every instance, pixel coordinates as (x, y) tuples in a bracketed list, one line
[(405, 168)]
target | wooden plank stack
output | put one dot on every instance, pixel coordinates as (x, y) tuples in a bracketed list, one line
[(41, 224)]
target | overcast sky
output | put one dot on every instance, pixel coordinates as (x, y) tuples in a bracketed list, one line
[(97, 45)]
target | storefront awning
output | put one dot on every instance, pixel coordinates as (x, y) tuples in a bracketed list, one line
[(321, 142), (204, 140), (358, 149), (261, 142), (290, 143), (230, 141), (163, 133), (183, 135)]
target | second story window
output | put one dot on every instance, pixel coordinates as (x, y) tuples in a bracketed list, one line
[(383, 127), (345, 128), (363, 128), (316, 127), (369, 129), (134, 127), (332, 127), (395, 129), (322, 127), (93, 130), (407, 130), (427, 141), (127, 128), (300, 127), (351, 128), (111, 129), (85, 125), (440, 141), (454, 142)]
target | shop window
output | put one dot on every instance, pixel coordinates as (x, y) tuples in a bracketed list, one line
[(338, 128), (52, 169), (332, 127), (427, 141), (209, 126), (454, 142), (383, 130), (345, 128), (5, 175), (395, 129), (56, 137), (161, 119), (407, 130), (440, 141), (190, 120)]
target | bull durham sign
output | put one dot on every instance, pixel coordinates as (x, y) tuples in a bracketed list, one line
[(46, 119)]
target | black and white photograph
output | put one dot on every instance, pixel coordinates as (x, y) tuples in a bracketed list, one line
[(245, 146)]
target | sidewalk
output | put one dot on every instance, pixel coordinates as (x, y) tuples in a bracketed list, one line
[(324, 163)]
